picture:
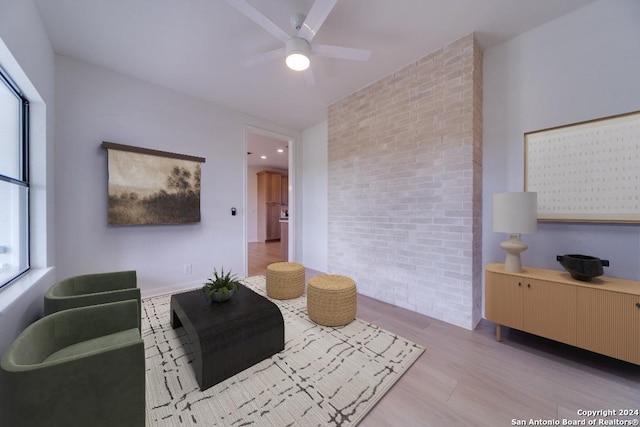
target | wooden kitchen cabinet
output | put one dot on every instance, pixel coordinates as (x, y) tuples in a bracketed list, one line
[(273, 221), (602, 316), (284, 190), (269, 205), (276, 188), (270, 187)]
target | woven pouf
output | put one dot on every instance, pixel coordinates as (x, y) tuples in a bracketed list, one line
[(285, 280), (331, 300)]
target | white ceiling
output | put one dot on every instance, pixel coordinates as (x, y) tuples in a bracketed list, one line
[(197, 46), (260, 145)]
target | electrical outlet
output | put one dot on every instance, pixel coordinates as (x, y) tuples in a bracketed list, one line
[(187, 269)]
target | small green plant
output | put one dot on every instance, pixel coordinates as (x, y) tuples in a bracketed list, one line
[(221, 286)]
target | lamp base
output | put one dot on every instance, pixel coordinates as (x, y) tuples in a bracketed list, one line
[(513, 247)]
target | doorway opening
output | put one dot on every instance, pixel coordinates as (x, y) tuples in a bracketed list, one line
[(269, 199)]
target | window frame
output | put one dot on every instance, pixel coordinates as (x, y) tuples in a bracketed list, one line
[(23, 173)]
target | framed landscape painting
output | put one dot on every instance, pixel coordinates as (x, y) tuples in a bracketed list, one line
[(152, 187)]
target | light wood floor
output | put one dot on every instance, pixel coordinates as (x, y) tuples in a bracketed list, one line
[(261, 255), (466, 378)]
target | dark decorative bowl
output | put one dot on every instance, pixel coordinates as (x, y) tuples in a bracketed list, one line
[(583, 267)]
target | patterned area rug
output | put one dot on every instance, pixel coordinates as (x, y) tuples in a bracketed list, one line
[(326, 376)]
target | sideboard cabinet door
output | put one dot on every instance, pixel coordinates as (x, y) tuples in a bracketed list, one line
[(536, 306), (550, 310), (609, 323), (503, 299)]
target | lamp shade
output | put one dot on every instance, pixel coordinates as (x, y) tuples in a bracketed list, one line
[(515, 213)]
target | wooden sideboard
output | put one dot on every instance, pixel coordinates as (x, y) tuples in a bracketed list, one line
[(602, 316)]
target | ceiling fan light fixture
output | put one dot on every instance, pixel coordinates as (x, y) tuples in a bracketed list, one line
[(298, 53), (297, 61)]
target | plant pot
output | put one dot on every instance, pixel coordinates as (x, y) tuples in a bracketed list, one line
[(583, 267), (219, 297)]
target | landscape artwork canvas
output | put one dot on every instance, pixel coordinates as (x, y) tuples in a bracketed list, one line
[(151, 189)]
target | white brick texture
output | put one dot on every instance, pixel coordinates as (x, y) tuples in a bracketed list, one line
[(405, 186)]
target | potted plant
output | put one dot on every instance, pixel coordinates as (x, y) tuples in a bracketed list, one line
[(221, 287)]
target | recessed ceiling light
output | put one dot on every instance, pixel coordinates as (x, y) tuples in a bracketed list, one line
[(263, 157), (280, 150)]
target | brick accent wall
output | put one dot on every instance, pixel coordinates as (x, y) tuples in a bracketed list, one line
[(405, 186)]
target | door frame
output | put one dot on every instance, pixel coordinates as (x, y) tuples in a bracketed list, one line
[(291, 141)]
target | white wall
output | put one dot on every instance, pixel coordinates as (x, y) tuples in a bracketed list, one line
[(314, 197), (579, 67), (26, 55), (96, 105)]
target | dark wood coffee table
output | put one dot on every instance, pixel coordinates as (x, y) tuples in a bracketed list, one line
[(229, 336)]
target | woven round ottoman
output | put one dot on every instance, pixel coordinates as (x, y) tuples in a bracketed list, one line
[(285, 280), (331, 299)]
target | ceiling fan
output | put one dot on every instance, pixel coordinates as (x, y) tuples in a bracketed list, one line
[(298, 49)]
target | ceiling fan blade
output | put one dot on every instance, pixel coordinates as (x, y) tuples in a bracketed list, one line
[(252, 13), (264, 57), (308, 77), (315, 18), (341, 52)]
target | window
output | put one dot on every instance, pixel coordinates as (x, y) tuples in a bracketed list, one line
[(14, 181)]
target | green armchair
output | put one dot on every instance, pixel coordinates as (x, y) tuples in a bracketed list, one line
[(91, 289), (78, 367)]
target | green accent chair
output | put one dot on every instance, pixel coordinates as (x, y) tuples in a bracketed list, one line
[(91, 289), (78, 367)]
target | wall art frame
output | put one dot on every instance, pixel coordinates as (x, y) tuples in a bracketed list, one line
[(152, 187), (587, 171)]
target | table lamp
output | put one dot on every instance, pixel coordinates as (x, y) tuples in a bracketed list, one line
[(515, 214)]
